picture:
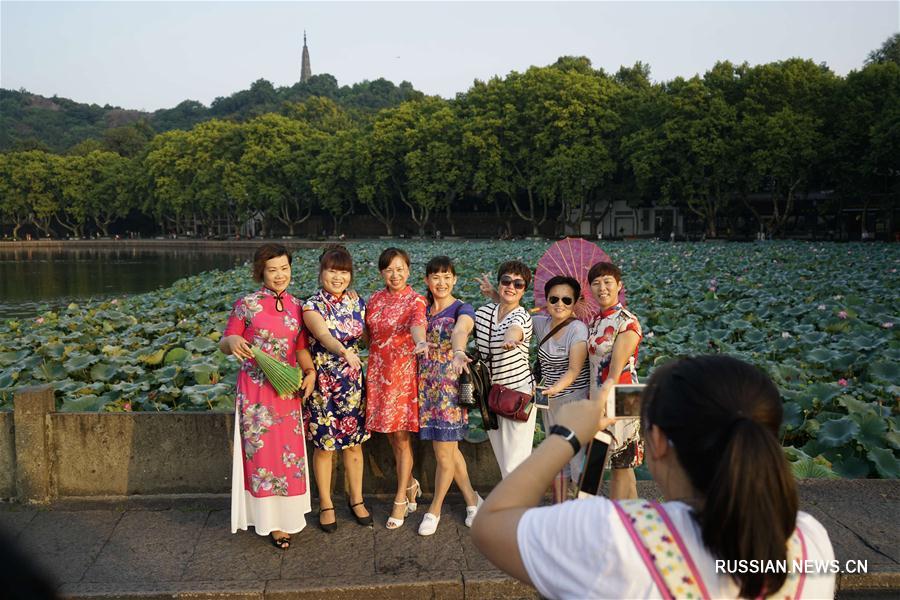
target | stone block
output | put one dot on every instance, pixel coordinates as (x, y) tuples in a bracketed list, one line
[(165, 590), (31, 406), (7, 454), (223, 556)]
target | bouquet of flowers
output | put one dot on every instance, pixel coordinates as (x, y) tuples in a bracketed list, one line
[(284, 378)]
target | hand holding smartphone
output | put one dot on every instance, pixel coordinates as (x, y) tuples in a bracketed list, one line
[(625, 402)]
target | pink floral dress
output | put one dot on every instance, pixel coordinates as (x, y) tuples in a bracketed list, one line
[(270, 483), (391, 379)]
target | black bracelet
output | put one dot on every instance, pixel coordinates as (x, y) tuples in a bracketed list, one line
[(568, 435)]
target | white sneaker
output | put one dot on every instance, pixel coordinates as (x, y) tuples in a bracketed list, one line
[(429, 524), (471, 511)]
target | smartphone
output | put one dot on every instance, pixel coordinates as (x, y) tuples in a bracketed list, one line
[(595, 461), (627, 400), (540, 400)]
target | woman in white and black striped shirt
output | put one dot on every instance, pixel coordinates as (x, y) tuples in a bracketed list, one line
[(565, 376), (502, 332)]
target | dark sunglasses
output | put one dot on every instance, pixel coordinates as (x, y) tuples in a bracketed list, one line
[(565, 300), (519, 284)]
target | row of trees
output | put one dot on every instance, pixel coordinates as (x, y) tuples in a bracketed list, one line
[(554, 144)]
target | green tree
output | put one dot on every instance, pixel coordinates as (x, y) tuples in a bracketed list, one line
[(336, 182), (889, 52)]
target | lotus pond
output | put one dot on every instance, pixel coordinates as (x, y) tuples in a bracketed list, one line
[(819, 318)]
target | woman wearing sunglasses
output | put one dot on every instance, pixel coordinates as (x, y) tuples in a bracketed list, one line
[(502, 332), (562, 354)]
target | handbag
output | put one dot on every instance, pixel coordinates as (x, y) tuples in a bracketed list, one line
[(474, 392), (509, 403), (536, 368)]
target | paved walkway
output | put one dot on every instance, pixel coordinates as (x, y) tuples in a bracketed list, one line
[(179, 547)]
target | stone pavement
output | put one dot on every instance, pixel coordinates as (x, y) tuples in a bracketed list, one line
[(181, 547)]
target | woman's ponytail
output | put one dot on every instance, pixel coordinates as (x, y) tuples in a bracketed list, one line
[(722, 416), (751, 505)]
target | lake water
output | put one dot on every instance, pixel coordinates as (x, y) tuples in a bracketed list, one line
[(33, 279)]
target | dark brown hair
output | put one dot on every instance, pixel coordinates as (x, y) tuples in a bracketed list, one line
[(438, 264), (389, 254), (604, 268), (515, 267), (265, 253), (722, 416), (336, 257), (563, 280)]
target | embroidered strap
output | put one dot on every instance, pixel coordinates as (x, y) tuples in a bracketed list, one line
[(669, 562)]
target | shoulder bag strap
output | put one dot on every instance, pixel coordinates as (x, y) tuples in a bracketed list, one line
[(555, 329)]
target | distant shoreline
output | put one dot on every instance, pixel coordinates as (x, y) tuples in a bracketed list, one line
[(181, 243)]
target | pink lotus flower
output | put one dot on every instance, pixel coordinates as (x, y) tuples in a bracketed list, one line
[(39, 320), (843, 382), (887, 325), (842, 314), (114, 301), (127, 406)]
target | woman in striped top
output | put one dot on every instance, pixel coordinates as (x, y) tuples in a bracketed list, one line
[(503, 330), (563, 360)]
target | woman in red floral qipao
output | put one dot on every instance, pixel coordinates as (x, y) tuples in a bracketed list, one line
[(395, 317), (270, 481)]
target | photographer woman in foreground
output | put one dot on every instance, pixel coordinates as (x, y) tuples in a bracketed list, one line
[(710, 426)]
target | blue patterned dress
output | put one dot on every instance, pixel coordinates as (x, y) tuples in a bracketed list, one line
[(336, 412), (440, 417)]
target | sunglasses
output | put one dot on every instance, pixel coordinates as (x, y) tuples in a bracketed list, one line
[(565, 300), (519, 284)]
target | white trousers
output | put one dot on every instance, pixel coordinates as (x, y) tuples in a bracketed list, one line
[(512, 441)]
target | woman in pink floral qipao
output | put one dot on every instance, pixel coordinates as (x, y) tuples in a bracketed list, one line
[(396, 320), (270, 482)]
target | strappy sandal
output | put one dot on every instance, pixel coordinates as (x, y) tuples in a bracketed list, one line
[(412, 504), (282, 543), (365, 521), (327, 527), (393, 523)]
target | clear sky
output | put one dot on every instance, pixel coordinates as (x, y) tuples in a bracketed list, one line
[(150, 55)]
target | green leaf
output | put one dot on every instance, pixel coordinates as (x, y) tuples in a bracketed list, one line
[(887, 372), (754, 336), (885, 462), (103, 372), (79, 363), (87, 403), (822, 392), (837, 432), (793, 415), (811, 469), (820, 356), (852, 467), (201, 345), (176, 355), (9, 358)]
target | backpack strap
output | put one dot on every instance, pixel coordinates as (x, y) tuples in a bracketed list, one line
[(661, 549), (669, 562)]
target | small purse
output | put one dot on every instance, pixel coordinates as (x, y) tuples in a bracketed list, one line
[(509, 403)]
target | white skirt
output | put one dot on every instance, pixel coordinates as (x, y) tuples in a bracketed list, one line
[(265, 515)]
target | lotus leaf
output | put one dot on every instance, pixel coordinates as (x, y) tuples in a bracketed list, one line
[(103, 372), (201, 345), (205, 374), (754, 336), (885, 462), (793, 415), (49, 371), (86, 403), (154, 358), (79, 363), (871, 430), (887, 372), (811, 469), (837, 432), (852, 467), (9, 358), (822, 392), (176, 355)]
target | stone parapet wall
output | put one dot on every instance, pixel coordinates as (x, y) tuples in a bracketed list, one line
[(123, 454)]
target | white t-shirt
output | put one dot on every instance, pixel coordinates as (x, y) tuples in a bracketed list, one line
[(580, 549)]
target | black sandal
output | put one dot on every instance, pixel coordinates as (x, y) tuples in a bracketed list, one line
[(282, 543), (327, 527), (365, 521)]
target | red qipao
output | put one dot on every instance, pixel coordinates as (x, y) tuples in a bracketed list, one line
[(392, 377), (269, 479)]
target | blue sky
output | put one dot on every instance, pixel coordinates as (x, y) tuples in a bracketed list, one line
[(150, 55)]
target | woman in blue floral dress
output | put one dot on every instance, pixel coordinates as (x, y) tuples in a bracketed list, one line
[(336, 412), (441, 419)]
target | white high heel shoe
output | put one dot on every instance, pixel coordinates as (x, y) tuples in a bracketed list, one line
[(413, 505), (393, 523)]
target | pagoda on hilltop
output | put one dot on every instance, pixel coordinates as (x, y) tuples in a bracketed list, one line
[(305, 69)]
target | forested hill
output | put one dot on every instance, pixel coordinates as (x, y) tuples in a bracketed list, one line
[(29, 121)]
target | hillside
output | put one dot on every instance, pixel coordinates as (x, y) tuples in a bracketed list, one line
[(57, 124)]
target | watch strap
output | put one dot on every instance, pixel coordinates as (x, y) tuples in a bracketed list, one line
[(568, 435)]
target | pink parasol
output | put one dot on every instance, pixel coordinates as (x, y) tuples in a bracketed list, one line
[(573, 257)]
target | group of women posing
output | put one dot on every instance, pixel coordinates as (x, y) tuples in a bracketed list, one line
[(416, 354)]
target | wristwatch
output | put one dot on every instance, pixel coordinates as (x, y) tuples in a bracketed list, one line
[(568, 435)]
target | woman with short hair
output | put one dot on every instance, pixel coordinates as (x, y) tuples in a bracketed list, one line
[(503, 330)]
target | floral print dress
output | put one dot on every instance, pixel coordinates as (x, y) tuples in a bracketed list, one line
[(335, 413), (629, 449), (391, 379), (441, 419), (270, 482)]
